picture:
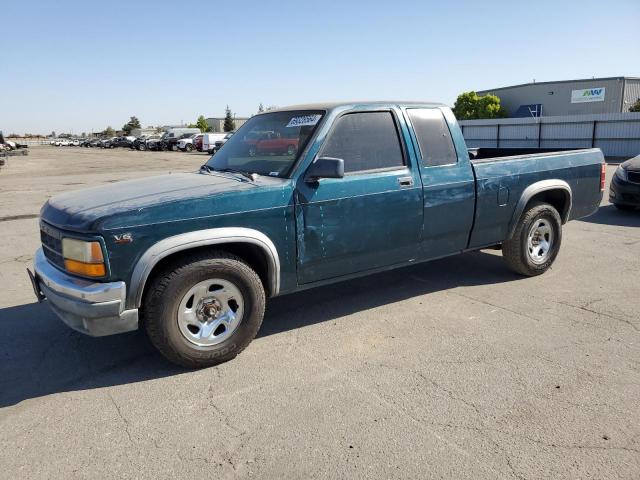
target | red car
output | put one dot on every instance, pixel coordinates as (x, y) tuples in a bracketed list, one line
[(197, 142), (273, 142)]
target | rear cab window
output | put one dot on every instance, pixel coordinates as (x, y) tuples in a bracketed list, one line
[(365, 141), (433, 135)]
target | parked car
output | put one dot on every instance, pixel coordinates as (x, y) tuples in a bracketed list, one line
[(96, 143), (209, 141), (123, 141), (142, 142), (62, 142), (213, 141), (277, 143), (173, 137), (108, 142), (624, 190), (381, 186), (187, 144), (158, 144)]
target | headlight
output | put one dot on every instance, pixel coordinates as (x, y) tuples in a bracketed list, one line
[(621, 173), (83, 258)]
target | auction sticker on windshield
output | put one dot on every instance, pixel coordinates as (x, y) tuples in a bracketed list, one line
[(303, 121)]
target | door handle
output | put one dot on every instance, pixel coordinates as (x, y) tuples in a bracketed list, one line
[(405, 181)]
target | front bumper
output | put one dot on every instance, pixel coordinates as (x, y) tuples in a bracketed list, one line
[(93, 308), (623, 192)]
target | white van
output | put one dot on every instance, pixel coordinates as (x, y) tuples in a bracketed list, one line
[(209, 141)]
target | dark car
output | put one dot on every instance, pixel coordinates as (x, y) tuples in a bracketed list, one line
[(624, 191), (172, 141), (158, 144), (124, 142)]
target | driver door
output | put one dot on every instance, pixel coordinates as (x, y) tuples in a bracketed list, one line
[(372, 217)]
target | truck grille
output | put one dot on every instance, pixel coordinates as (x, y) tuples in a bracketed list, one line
[(51, 239), (633, 176)]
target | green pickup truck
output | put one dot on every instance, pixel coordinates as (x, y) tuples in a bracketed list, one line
[(347, 189)]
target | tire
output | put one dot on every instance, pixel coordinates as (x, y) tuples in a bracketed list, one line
[(142, 147), (624, 208), (189, 147), (536, 241), (170, 292)]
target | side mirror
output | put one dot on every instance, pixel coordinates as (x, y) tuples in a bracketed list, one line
[(325, 167)]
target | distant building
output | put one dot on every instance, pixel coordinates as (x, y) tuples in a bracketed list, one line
[(217, 123), (139, 132), (569, 97)]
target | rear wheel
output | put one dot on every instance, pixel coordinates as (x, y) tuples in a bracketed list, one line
[(536, 241), (204, 310)]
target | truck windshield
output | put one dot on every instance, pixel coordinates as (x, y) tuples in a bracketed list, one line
[(267, 144)]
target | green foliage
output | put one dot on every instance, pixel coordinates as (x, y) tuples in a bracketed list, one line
[(202, 124), (109, 132), (635, 107), (229, 124), (260, 108), (131, 124), (471, 106)]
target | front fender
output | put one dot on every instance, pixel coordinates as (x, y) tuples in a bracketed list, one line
[(199, 238)]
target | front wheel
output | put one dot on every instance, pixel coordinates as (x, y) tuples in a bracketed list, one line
[(536, 241), (204, 310), (189, 147)]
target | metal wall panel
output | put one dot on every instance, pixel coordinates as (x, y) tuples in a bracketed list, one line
[(617, 134), (631, 93)]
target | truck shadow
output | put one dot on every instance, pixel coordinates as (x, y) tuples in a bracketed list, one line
[(610, 215), (41, 356)]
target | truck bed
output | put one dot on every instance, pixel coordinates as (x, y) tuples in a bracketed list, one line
[(502, 175)]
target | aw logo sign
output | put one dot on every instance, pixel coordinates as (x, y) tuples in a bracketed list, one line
[(587, 95)]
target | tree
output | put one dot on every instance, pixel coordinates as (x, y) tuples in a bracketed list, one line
[(471, 106), (635, 107), (202, 124), (131, 124), (229, 124), (109, 132), (260, 108)]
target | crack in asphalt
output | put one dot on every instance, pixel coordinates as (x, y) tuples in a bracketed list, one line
[(11, 218), (122, 417), (586, 308), (482, 430)]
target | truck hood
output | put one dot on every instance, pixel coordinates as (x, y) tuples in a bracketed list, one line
[(80, 210)]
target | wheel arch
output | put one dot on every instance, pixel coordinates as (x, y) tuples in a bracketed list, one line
[(251, 245), (555, 192)]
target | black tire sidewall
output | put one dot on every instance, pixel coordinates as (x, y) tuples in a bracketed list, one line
[(551, 215), (162, 323)]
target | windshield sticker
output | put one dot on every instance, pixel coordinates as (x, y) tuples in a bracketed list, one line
[(273, 174), (303, 121)]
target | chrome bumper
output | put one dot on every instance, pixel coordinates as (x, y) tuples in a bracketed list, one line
[(94, 308)]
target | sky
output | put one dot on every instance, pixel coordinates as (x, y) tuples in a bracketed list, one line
[(78, 66)]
